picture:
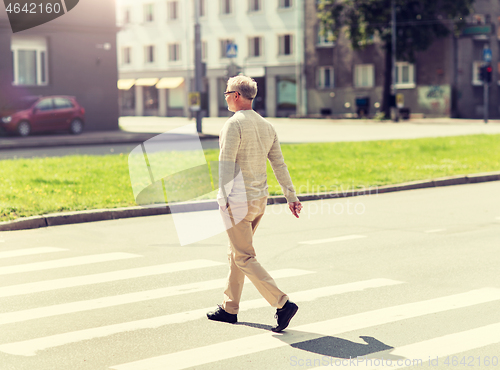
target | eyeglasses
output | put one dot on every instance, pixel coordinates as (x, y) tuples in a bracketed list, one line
[(226, 93)]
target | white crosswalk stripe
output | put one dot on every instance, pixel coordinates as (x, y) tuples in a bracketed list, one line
[(105, 277), (30, 347), (29, 251), (66, 262), (37, 313), (31, 343), (248, 345)]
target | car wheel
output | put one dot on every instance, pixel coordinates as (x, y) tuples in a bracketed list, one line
[(24, 128), (76, 127)]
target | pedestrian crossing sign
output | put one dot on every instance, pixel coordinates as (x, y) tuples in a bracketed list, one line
[(231, 50)]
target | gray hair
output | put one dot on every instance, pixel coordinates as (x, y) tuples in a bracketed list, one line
[(245, 85)]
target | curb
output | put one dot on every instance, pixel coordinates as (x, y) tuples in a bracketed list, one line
[(67, 218), (91, 138)]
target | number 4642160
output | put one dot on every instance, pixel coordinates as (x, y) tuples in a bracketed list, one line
[(33, 8)]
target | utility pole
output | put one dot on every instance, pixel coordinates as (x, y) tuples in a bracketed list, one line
[(197, 61), (486, 77), (393, 42)]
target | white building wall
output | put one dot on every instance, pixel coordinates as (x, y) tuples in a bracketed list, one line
[(268, 23)]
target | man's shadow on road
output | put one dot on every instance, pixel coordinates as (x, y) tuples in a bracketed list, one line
[(331, 346)]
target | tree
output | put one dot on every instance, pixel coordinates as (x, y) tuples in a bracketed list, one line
[(418, 23)]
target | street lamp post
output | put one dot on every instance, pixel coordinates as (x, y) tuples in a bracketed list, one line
[(393, 42), (197, 61)]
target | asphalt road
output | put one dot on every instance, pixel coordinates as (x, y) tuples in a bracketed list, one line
[(397, 277)]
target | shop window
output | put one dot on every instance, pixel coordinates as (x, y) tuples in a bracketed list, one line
[(287, 92), (150, 97)]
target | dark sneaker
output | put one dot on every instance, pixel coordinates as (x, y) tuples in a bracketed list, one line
[(221, 315), (284, 315)]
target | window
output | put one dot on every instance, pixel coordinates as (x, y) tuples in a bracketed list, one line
[(148, 12), (405, 75), (127, 55), (61, 103), (364, 75), (325, 77), (476, 67), (126, 15), (29, 56), (149, 53), (255, 47), (223, 46), (285, 3), (254, 5), (174, 53), (226, 6), (285, 45), (201, 8), (173, 10), (45, 105), (325, 38)]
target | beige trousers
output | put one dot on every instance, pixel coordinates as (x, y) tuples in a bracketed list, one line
[(242, 261)]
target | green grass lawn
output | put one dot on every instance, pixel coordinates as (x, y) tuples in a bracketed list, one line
[(45, 185)]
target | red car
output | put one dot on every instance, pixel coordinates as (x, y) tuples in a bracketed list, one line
[(47, 113)]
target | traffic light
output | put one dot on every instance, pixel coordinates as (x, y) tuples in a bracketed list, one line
[(488, 70), (485, 73)]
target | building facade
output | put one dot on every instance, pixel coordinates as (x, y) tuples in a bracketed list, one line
[(442, 82), (156, 54), (74, 54)]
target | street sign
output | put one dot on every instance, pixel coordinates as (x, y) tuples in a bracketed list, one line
[(487, 55), (194, 99), (231, 50)]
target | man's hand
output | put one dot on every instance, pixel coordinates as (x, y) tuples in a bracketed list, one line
[(295, 208)]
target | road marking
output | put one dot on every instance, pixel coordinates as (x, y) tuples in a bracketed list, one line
[(429, 350), (434, 231), (262, 342), (29, 251), (92, 304), (66, 262), (331, 240), (30, 347), (46, 285)]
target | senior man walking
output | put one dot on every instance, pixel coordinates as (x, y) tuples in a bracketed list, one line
[(246, 142)]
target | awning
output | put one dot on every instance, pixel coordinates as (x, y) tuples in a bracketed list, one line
[(125, 84), (169, 82), (146, 81)]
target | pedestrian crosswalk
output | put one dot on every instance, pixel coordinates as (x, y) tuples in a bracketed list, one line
[(29, 344)]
